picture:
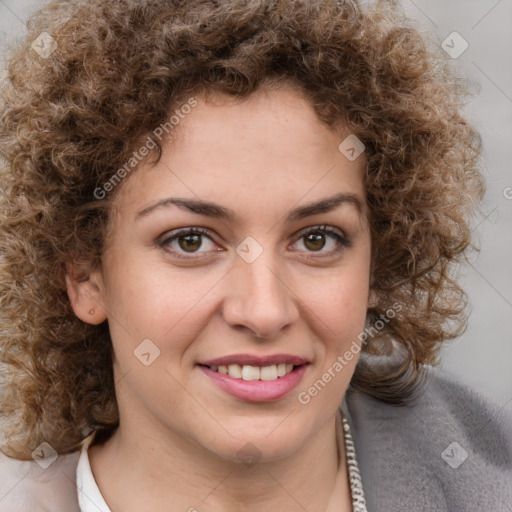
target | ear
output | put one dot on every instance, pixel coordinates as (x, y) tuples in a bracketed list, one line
[(86, 295)]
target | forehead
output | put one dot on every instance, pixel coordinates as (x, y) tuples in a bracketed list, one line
[(270, 148)]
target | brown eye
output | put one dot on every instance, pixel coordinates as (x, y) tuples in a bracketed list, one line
[(188, 241), (314, 241), (323, 240)]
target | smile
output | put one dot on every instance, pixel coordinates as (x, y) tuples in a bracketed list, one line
[(256, 384)]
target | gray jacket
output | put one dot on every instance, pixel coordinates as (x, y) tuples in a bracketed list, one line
[(449, 451)]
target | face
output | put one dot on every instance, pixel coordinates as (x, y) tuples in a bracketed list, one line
[(245, 247)]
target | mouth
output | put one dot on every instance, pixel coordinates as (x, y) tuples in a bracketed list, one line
[(256, 378)]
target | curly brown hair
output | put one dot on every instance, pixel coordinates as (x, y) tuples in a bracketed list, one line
[(71, 119)]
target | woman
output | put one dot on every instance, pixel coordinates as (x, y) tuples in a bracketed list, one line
[(229, 234)]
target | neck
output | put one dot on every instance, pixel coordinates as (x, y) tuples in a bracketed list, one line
[(135, 472)]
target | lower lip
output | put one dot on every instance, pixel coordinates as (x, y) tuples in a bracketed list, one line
[(257, 390)]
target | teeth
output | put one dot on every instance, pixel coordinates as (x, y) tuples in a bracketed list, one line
[(235, 371), (281, 370), (251, 373), (247, 372), (268, 372)]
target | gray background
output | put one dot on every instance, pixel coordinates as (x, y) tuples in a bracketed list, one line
[(482, 357)]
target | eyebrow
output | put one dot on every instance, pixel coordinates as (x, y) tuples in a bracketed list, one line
[(213, 210)]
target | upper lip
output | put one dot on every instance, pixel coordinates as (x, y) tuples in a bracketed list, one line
[(253, 360)]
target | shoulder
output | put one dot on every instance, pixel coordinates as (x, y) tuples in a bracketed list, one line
[(39, 487), (450, 449)]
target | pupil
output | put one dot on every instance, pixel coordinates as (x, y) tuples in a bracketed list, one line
[(192, 242), (317, 241)]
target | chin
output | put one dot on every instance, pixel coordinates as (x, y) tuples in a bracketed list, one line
[(275, 440)]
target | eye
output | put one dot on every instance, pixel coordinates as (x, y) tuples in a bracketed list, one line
[(316, 239), (188, 241)]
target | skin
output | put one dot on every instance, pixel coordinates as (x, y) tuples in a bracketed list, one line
[(179, 436)]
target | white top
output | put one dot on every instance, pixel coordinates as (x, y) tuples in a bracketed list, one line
[(89, 495), (91, 500)]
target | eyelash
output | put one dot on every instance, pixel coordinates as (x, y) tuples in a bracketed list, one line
[(343, 242)]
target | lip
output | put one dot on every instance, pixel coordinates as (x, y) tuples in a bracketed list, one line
[(256, 390), (254, 360)]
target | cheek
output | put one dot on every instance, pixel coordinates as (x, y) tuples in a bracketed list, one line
[(338, 301), (337, 310), (153, 301)]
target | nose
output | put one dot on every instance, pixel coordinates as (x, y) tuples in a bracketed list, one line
[(259, 300)]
